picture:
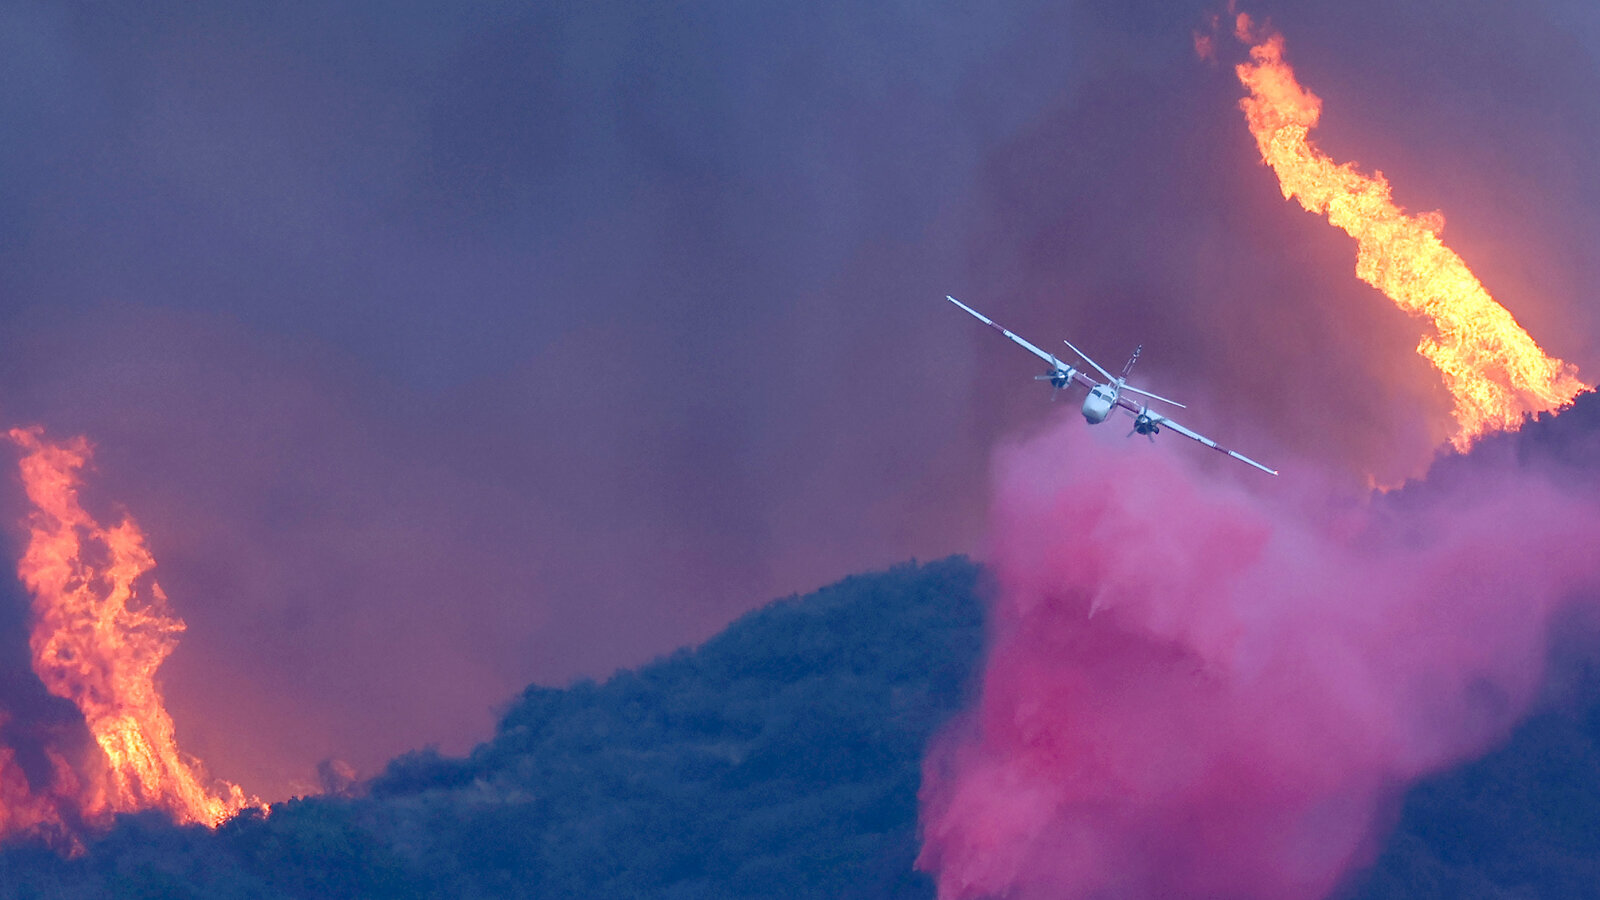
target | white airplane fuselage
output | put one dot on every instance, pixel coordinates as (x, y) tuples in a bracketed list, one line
[(1098, 405)]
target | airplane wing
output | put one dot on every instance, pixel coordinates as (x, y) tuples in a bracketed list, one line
[(1165, 422), (1129, 387), (1108, 375), (1055, 364)]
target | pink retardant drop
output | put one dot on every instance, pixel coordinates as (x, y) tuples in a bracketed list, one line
[(1198, 689)]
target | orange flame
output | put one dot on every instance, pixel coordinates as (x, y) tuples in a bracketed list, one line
[(101, 629), (21, 807), (1495, 371)]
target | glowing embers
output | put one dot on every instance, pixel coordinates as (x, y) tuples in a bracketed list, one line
[(1495, 371), (101, 628)]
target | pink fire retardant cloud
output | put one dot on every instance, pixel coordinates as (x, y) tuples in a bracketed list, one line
[(1199, 689)]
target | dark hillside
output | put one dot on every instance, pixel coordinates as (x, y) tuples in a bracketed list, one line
[(779, 759)]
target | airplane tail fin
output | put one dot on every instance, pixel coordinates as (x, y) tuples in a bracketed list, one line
[(1131, 360)]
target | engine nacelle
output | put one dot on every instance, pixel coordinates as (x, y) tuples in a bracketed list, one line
[(1143, 424)]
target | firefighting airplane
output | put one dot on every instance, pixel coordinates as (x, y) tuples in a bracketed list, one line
[(1103, 398)]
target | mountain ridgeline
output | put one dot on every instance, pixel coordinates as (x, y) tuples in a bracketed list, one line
[(780, 758)]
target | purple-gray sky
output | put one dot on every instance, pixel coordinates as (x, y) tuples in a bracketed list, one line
[(444, 347)]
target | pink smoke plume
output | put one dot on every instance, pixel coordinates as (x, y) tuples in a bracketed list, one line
[(1197, 691)]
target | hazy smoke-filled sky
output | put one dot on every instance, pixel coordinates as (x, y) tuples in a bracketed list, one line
[(442, 348)]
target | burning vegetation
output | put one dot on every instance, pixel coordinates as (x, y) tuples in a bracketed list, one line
[(1497, 374), (101, 627)]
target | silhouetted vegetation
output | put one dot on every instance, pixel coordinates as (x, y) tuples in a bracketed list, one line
[(781, 758)]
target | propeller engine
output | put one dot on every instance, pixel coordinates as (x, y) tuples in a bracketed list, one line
[(1144, 424), (1058, 379)]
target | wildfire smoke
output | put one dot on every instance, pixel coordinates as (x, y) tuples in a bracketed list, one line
[(101, 629), (1497, 374)]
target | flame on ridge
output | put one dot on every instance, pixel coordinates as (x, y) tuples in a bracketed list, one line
[(23, 807), (1497, 374), (101, 629)]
